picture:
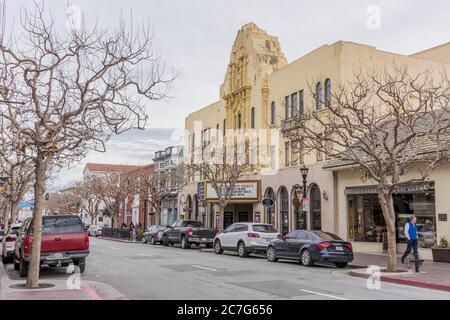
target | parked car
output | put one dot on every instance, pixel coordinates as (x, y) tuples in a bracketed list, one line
[(95, 230), (1, 234), (245, 238), (188, 232), (8, 242), (64, 241), (309, 247), (154, 234)]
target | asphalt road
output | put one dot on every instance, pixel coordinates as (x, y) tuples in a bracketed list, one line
[(141, 271)]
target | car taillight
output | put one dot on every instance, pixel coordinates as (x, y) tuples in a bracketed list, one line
[(349, 246), (253, 235), (323, 245), (86, 239), (157, 234), (10, 239), (189, 230)]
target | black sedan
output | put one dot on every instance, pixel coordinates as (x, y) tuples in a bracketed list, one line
[(311, 246)]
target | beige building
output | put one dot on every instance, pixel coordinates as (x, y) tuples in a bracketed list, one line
[(263, 92)]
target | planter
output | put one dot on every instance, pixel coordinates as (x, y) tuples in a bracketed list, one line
[(441, 254)]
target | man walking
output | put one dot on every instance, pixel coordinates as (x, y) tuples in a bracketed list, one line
[(411, 236)]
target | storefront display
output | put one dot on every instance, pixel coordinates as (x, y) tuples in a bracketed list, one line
[(366, 221)]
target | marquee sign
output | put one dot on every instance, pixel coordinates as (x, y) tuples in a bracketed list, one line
[(243, 190)]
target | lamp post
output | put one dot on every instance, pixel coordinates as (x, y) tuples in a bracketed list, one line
[(304, 172)]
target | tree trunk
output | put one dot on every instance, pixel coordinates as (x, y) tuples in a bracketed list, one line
[(92, 220), (6, 217), (39, 190), (387, 206), (14, 212), (221, 217)]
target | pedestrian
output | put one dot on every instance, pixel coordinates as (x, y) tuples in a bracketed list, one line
[(411, 236), (131, 231)]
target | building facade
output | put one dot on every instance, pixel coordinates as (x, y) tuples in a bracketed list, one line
[(263, 93)]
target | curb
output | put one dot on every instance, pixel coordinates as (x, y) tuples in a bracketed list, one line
[(117, 240), (408, 282)]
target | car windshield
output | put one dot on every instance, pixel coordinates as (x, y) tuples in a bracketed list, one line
[(56, 225), (193, 224), (327, 236), (264, 228)]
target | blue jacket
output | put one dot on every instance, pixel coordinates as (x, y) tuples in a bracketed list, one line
[(410, 231)]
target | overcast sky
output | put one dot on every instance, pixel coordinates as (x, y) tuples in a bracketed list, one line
[(195, 37)]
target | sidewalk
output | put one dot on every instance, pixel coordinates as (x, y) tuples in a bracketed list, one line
[(432, 275), (60, 290)]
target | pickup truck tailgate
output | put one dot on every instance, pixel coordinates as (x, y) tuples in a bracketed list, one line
[(204, 233), (63, 242)]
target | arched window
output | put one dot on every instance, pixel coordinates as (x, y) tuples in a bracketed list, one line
[(272, 113), (253, 118), (318, 96), (224, 126), (327, 92), (239, 121)]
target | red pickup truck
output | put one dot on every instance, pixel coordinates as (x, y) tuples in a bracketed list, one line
[(64, 241)]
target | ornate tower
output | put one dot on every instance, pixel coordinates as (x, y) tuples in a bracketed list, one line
[(253, 56)]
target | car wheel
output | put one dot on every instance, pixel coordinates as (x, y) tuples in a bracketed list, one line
[(165, 241), (184, 243), (217, 247), (271, 254), (153, 241), (23, 268), (242, 252), (306, 258), (341, 265)]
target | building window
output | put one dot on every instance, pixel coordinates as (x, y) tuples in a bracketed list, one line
[(286, 154), (327, 92), (286, 107), (253, 118), (319, 96), (239, 121), (272, 113), (301, 105), (294, 111), (224, 126), (319, 155)]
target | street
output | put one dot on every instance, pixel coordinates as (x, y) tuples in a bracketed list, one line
[(141, 271)]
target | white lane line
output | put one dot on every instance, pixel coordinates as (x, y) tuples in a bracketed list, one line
[(114, 248), (205, 268), (323, 294), (147, 255)]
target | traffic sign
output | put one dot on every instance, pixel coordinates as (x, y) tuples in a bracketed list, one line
[(26, 204)]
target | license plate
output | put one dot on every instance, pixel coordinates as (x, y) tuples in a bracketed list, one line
[(204, 239), (339, 249), (56, 256)]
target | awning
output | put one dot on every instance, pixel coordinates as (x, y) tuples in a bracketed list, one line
[(401, 189)]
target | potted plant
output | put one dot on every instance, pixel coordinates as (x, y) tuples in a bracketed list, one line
[(441, 252), (139, 234)]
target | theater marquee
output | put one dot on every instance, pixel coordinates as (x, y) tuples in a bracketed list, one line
[(243, 191)]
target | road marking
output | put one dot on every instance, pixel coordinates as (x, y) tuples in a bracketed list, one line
[(205, 268), (114, 248), (323, 294), (147, 255)]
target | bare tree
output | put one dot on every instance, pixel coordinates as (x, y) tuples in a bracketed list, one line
[(223, 161), (391, 123), (162, 184), (87, 195), (78, 88), (114, 188), (17, 168)]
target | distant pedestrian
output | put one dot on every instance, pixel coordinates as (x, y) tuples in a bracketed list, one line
[(411, 236)]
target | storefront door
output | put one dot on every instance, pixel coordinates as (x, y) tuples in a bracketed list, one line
[(227, 219), (243, 217)]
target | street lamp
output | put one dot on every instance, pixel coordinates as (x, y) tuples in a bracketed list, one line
[(304, 172)]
